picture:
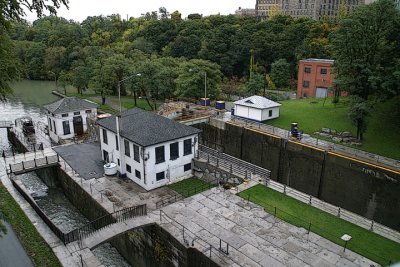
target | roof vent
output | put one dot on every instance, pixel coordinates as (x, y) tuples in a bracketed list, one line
[(249, 101)]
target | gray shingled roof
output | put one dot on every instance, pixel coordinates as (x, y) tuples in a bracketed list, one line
[(257, 101), (69, 104), (146, 128)]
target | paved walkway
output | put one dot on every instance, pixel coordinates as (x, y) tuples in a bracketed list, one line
[(255, 237)]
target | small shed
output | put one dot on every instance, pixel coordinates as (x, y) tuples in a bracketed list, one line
[(68, 117), (257, 108)]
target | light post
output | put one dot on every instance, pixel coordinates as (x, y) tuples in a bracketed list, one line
[(205, 85), (119, 88), (55, 77)]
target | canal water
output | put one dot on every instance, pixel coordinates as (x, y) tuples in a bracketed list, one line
[(28, 98)]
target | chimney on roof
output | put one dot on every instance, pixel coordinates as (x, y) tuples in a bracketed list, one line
[(118, 121)]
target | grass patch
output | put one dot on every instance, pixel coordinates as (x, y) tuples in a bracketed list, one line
[(363, 242), (112, 102), (190, 187), (31, 240), (311, 114)]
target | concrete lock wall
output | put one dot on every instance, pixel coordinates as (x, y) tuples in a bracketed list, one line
[(362, 188), (148, 246)]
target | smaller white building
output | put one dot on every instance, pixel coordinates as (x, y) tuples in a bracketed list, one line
[(149, 149), (257, 108), (68, 117)]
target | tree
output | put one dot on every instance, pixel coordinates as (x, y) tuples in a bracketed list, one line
[(13, 10), (190, 80), (366, 51), (280, 73), (358, 113), (256, 84)]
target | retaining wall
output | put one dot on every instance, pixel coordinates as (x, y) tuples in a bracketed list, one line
[(368, 190)]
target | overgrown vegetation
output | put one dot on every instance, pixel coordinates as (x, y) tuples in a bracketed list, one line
[(190, 187), (34, 244), (364, 242), (312, 114)]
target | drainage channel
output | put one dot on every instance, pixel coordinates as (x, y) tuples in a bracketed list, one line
[(65, 216)]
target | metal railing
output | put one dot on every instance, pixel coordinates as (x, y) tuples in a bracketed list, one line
[(316, 228), (88, 229), (305, 198), (104, 221), (168, 200), (231, 164), (203, 245), (320, 143)]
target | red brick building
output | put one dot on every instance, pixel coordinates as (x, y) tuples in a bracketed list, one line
[(315, 78)]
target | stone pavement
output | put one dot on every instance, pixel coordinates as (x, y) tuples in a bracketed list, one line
[(255, 237)]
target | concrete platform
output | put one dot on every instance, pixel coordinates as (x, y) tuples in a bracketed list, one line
[(85, 159)]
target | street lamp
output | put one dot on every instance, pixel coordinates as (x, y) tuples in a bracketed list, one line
[(205, 85), (119, 88), (55, 77)]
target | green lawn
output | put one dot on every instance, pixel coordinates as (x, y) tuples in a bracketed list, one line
[(190, 187), (382, 132), (363, 242), (34, 244), (112, 102)]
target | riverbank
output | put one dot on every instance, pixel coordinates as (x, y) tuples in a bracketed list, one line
[(36, 247)]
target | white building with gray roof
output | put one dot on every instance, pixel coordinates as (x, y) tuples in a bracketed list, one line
[(257, 108), (68, 117), (149, 149)]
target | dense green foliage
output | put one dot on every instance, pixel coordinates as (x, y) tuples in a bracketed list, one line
[(102, 51), (366, 47), (13, 11), (363, 242), (36, 247)]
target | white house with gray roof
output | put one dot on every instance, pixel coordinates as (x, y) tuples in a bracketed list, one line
[(149, 149), (68, 117), (257, 108)]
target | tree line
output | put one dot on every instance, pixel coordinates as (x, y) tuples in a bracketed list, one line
[(160, 55), (171, 54)]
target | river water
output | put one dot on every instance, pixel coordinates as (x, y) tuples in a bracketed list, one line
[(27, 100)]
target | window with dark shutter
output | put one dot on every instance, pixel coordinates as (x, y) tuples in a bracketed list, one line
[(187, 147), (136, 155), (160, 176), (160, 154), (174, 151), (105, 140), (127, 148)]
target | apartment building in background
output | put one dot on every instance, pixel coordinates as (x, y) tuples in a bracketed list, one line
[(315, 9), (265, 8), (245, 12)]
